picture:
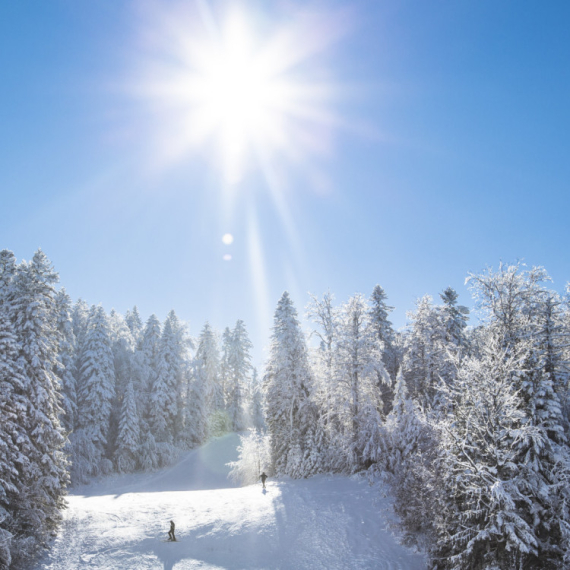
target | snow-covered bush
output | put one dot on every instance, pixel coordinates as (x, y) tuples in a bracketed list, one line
[(254, 458)]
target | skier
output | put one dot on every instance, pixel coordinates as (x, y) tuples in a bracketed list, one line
[(171, 536), (263, 477)]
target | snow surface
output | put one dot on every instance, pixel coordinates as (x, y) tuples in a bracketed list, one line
[(326, 522)]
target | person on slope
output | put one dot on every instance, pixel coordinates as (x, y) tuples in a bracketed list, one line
[(263, 478), (171, 536)]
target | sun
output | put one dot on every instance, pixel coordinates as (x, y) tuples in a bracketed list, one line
[(212, 81), (240, 94)]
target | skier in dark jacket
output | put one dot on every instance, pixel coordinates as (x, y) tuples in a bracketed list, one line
[(263, 478), (171, 536)]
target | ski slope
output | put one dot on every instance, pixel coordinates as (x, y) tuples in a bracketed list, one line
[(327, 522)]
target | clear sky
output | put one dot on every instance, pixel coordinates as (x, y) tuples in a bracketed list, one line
[(404, 143)]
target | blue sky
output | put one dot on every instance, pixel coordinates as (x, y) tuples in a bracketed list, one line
[(446, 151)]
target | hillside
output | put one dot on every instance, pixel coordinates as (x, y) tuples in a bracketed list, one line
[(327, 522)]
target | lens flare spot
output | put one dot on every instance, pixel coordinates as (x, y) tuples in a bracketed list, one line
[(227, 257)]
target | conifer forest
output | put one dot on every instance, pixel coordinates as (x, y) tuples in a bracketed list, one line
[(465, 417)]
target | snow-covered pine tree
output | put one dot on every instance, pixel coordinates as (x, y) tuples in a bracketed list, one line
[(67, 354), (358, 366), (379, 313), (163, 410), (256, 413), (96, 397), (123, 347), (208, 378), (225, 356), (525, 315), (44, 482), (134, 322), (195, 407), (454, 318), (182, 343), (79, 320), (325, 396), (145, 365), (425, 356), (239, 368), (128, 438), (291, 416), (15, 445), (481, 521)]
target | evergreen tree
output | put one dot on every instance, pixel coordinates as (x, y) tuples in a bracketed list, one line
[(358, 367), (145, 367), (207, 379), (326, 397), (239, 367), (256, 413), (96, 396), (195, 408), (129, 433), (288, 380), (425, 356), (134, 322), (164, 396), (379, 313), (481, 522), (34, 319), (67, 351), (15, 445), (525, 316)]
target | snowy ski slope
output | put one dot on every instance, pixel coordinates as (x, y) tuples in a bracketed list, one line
[(327, 522)]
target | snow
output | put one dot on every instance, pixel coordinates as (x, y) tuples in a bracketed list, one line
[(325, 522)]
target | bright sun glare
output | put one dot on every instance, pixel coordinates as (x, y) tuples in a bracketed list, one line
[(250, 93), (211, 78)]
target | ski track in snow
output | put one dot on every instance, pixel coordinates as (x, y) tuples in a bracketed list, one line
[(322, 523)]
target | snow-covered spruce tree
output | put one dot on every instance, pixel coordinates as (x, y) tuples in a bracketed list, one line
[(182, 343), (195, 408), (358, 365), (43, 484), (481, 521), (163, 410), (123, 347), (145, 367), (208, 378), (96, 396), (225, 371), (79, 320), (435, 337), (134, 322), (291, 416), (128, 438), (256, 413), (239, 369), (67, 351), (379, 313), (423, 354), (14, 442), (525, 315), (325, 395), (454, 318)]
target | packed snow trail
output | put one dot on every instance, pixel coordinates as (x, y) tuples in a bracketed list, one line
[(326, 522)]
